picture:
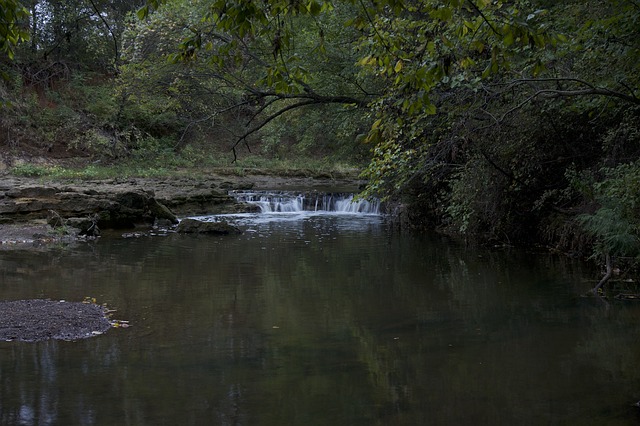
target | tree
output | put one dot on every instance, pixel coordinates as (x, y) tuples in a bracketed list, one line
[(85, 33), (420, 51), (12, 14), (261, 84)]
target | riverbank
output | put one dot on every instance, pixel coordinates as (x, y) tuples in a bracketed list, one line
[(35, 211)]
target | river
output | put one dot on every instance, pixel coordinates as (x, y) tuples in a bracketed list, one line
[(320, 319)]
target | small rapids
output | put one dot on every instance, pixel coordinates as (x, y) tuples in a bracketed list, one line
[(291, 202), (297, 210)]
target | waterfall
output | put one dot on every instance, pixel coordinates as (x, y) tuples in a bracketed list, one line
[(291, 202)]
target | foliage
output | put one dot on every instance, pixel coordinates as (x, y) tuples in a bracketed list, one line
[(75, 33), (159, 98), (152, 110), (30, 170), (616, 222), (244, 90), (422, 58), (11, 31)]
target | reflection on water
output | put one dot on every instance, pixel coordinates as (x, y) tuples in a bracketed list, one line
[(320, 320)]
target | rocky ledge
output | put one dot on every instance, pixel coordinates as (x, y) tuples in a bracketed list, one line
[(39, 211), (114, 204)]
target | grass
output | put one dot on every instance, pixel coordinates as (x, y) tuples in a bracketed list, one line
[(88, 172), (192, 164)]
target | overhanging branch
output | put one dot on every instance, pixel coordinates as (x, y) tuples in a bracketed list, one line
[(307, 98), (267, 121), (588, 90), (116, 54)]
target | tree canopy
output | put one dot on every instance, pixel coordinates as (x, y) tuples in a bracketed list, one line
[(416, 62)]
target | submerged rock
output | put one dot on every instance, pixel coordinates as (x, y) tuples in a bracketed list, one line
[(193, 226)]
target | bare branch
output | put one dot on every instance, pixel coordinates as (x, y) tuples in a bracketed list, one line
[(551, 80), (375, 29), (116, 54), (321, 99), (607, 275), (263, 108), (267, 121), (208, 117), (597, 91), (484, 18)]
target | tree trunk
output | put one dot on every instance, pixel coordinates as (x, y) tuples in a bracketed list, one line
[(34, 27), (607, 275)]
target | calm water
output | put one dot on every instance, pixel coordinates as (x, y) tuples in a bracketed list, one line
[(319, 320)]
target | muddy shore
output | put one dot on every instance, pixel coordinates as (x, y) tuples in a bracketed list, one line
[(37, 320)]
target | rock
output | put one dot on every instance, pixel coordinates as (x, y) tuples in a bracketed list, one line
[(241, 207), (199, 201), (111, 208), (85, 225), (193, 226), (31, 192), (163, 223), (130, 208)]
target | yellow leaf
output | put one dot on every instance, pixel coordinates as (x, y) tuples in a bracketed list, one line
[(364, 61), (368, 60), (398, 66)]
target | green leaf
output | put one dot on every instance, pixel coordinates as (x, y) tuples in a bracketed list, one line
[(430, 109), (314, 8), (508, 39), (143, 12), (442, 14)]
